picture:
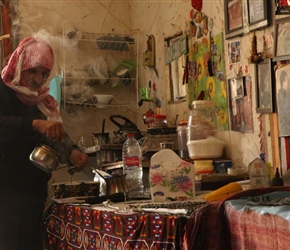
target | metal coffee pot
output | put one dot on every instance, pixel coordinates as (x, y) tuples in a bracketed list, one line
[(47, 159)]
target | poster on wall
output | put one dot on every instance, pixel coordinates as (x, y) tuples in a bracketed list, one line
[(234, 52), (283, 99), (206, 55), (282, 7), (240, 108)]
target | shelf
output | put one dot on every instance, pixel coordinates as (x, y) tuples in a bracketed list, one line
[(115, 42), (97, 63), (92, 105)]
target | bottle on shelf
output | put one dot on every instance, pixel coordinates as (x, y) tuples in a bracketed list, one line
[(132, 166)]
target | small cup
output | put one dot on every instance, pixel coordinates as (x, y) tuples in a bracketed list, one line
[(169, 145)]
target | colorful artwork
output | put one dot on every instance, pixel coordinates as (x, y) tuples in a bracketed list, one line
[(206, 59)]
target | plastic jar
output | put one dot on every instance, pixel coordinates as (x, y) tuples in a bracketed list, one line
[(201, 121), (159, 121), (182, 139)]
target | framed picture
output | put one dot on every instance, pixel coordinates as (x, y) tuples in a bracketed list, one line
[(240, 104), (265, 82), (283, 98), (282, 39), (282, 7), (233, 18), (258, 15)]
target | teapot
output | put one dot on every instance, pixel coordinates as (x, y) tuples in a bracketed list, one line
[(48, 159)]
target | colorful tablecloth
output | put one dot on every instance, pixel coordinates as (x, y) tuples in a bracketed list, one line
[(79, 227)]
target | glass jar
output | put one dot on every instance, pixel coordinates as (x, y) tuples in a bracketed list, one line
[(202, 120), (201, 131), (182, 139), (159, 121)]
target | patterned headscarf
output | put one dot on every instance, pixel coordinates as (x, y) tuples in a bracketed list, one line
[(31, 52)]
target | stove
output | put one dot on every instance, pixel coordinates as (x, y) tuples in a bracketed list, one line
[(155, 136)]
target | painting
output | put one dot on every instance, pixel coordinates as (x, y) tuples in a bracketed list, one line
[(233, 10), (201, 84), (257, 14), (240, 109), (283, 98), (282, 7), (265, 83), (282, 39)]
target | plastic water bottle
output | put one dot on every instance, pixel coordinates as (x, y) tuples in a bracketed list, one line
[(132, 166)]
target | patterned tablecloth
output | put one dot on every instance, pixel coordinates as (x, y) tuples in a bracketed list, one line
[(79, 227)]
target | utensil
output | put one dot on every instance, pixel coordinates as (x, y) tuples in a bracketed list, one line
[(48, 159), (124, 129), (45, 158), (114, 184), (103, 126)]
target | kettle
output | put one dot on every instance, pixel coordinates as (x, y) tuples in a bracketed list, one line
[(127, 127)]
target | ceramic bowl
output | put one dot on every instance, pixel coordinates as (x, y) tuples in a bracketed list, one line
[(102, 99)]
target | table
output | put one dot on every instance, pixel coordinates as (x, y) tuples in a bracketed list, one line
[(232, 224), (72, 226), (257, 226)]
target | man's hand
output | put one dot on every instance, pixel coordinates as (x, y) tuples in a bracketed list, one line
[(79, 159), (51, 129)]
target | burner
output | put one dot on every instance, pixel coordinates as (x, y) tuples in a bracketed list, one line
[(161, 131)]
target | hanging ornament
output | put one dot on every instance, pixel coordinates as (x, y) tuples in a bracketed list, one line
[(255, 56), (196, 4)]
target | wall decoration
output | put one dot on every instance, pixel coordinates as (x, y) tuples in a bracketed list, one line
[(196, 4), (282, 7), (258, 14), (200, 83), (265, 82), (237, 86), (240, 109), (234, 52), (243, 16), (283, 99), (176, 49), (268, 40), (233, 11), (282, 39)]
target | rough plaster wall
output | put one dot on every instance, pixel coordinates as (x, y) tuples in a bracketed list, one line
[(242, 148), (47, 19), (160, 18)]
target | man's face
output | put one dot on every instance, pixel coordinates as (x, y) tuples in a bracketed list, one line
[(35, 77)]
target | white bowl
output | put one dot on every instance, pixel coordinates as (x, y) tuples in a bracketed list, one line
[(209, 148), (103, 99)]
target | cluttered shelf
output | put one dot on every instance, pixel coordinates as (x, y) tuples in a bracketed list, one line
[(95, 66)]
